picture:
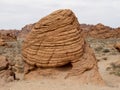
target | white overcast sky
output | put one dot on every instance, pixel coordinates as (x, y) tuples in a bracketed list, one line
[(14, 14)]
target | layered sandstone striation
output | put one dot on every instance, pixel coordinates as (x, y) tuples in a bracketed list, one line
[(57, 41), (99, 31)]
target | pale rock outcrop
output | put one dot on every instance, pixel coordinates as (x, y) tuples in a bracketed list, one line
[(57, 41)]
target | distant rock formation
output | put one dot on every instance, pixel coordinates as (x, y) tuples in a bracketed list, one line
[(117, 32), (56, 41), (25, 30), (117, 46), (9, 35), (86, 27), (100, 31)]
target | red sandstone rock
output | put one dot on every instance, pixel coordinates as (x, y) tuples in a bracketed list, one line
[(57, 41), (6, 74), (2, 42), (9, 35), (100, 31), (3, 63), (25, 30)]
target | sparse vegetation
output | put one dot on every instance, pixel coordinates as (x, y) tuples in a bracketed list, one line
[(114, 68), (97, 49), (105, 58), (13, 53), (106, 50)]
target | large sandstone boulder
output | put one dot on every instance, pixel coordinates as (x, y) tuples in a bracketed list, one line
[(56, 41)]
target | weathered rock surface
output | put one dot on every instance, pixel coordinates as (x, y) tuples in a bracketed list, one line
[(99, 31), (117, 32), (25, 30), (3, 63), (6, 74), (9, 35), (57, 41), (117, 46), (2, 42)]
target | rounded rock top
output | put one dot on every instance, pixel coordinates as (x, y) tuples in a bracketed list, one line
[(55, 40)]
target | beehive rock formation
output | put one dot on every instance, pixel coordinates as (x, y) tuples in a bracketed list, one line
[(57, 40)]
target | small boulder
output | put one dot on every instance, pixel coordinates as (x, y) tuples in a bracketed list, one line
[(3, 63)]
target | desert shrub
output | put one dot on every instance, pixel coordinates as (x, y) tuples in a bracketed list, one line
[(106, 50), (105, 58), (114, 69), (98, 48)]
